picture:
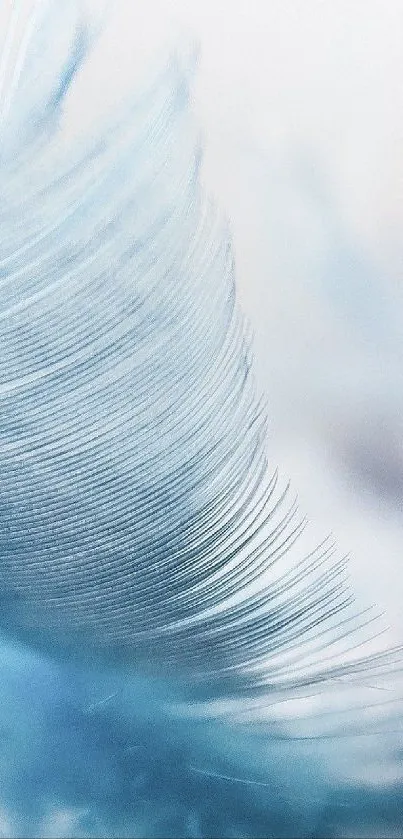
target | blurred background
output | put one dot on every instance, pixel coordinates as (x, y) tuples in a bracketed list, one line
[(300, 104)]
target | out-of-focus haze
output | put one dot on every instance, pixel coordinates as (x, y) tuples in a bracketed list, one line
[(301, 107)]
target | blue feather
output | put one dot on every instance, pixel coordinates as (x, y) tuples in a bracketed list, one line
[(162, 602)]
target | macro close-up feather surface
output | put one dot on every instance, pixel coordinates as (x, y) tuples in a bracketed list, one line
[(182, 654)]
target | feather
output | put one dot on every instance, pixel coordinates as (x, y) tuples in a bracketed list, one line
[(156, 576)]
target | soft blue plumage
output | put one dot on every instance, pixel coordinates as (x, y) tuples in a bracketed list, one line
[(161, 602)]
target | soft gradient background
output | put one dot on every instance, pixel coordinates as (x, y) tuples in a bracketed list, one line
[(301, 108)]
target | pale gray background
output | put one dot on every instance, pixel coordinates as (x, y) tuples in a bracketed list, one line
[(301, 106)]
